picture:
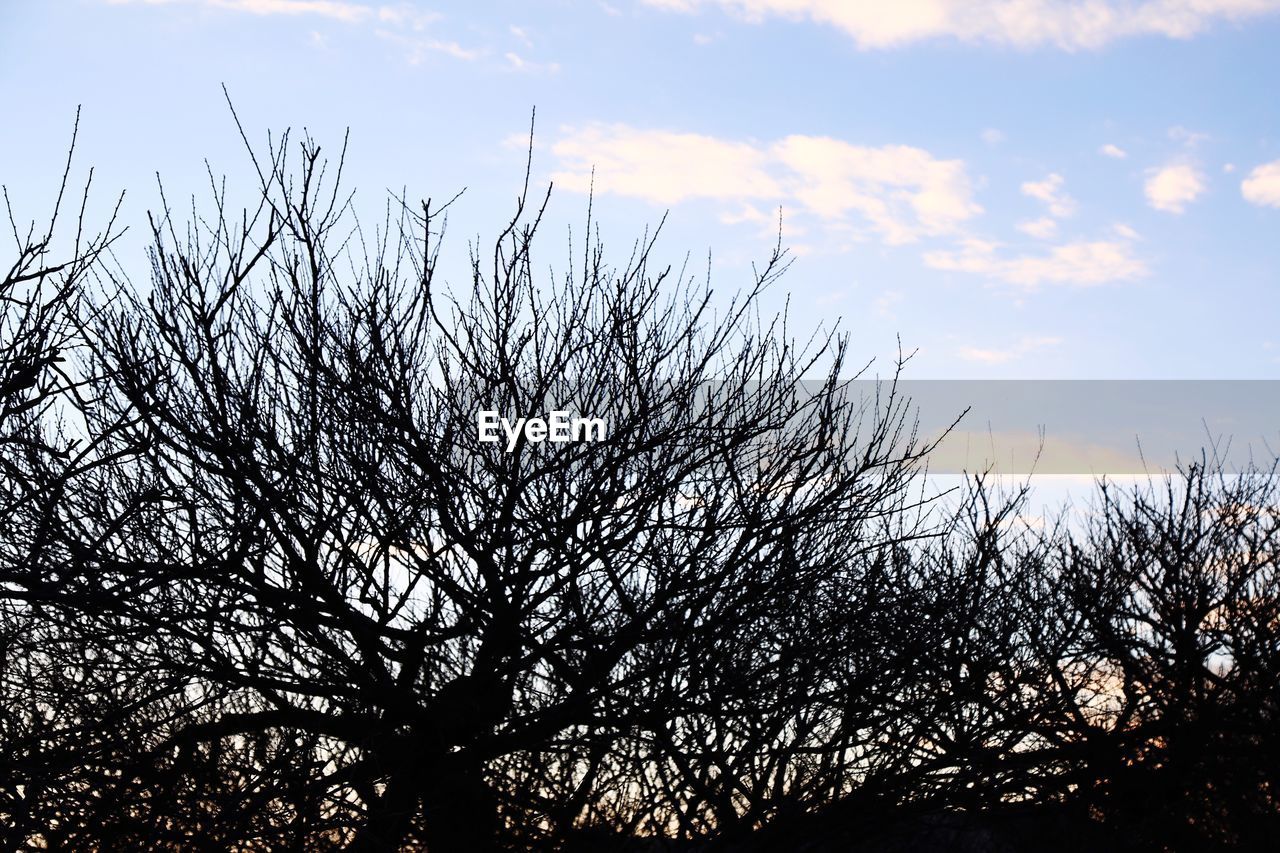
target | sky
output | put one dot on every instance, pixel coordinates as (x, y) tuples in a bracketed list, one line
[(1013, 188)]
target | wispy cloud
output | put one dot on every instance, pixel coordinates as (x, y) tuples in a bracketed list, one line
[(324, 8), (518, 63), (403, 24), (335, 9), (1171, 188), (1065, 24), (1115, 152), (418, 47), (1262, 186), (1041, 229), (1083, 263), (898, 192), (1051, 193), (1186, 136), (521, 35), (886, 303), (663, 166), (1022, 347)]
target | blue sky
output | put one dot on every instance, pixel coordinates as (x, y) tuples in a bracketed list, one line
[(1017, 188)]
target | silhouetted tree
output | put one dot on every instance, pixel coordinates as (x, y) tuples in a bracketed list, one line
[(301, 517), (265, 587), (1176, 587), (43, 719)]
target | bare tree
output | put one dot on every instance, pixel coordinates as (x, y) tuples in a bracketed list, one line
[(266, 586), (301, 514), (42, 716), (1175, 584)]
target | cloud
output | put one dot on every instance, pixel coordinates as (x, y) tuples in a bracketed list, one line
[(1079, 263), (829, 298), (1065, 24), (748, 213), (324, 8), (519, 63), (418, 48), (663, 167), (1173, 187), (402, 24), (1115, 152), (1262, 186), (993, 136), (898, 192), (1189, 138), (1022, 347), (904, 192), (1042, 228), (335, 9), (521, 34), (1050, 192), (886, 302), (449, 48)]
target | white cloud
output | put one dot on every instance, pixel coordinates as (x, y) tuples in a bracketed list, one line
[(663, 167), (324, 8), (1066, 24), (336, 9), (418, 48), (829, 298), (886, 302), (1113, 151), (520, 34), (1189, 138), (1042, 228), (402, 23), (993, 136), (519, 63), (904, 192), (900, 192), (897, 193), (1262, 186), (1050, 192), (1021, 347), (748, 213), (450, 48), (1173, 187), (1080, 263)]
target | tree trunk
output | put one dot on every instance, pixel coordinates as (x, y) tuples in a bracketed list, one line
[(459, 809)]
